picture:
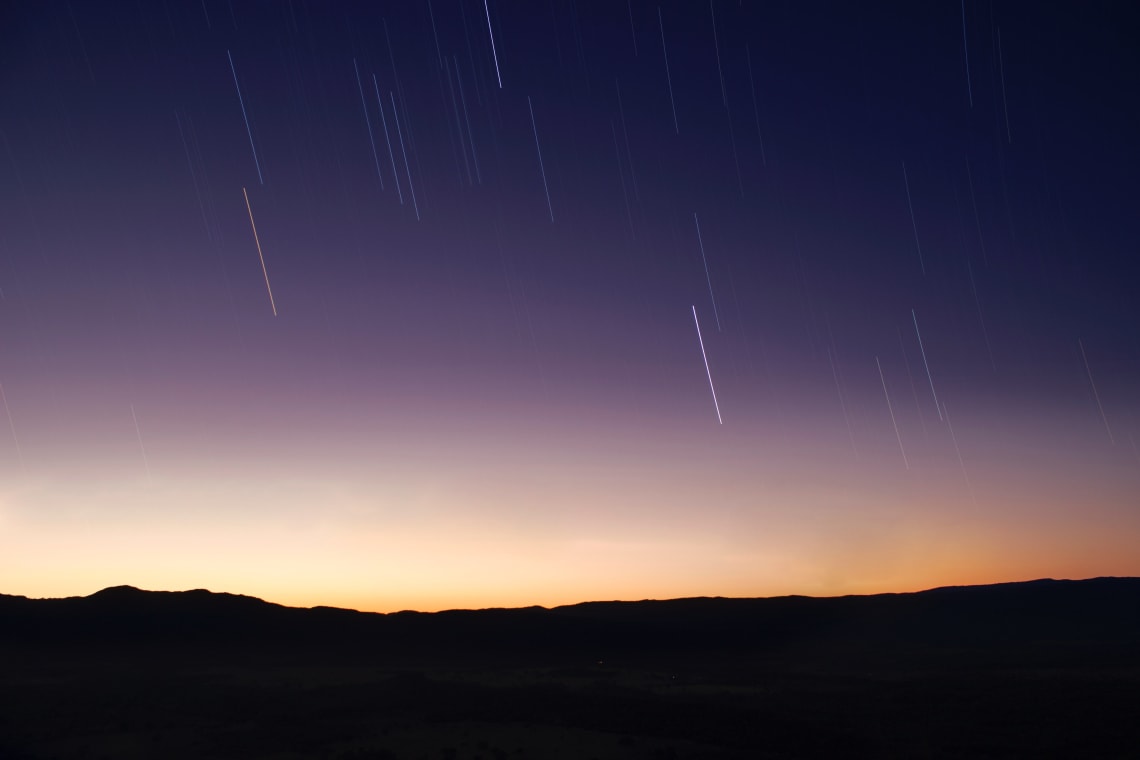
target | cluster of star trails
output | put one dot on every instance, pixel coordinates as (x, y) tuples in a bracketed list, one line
[(670, 161), (391, 160)]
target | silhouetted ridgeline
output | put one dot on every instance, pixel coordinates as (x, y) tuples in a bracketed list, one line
[(1098, 615), (1044, 669)]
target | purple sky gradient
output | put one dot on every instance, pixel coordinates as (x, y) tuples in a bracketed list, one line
[(484, 407)]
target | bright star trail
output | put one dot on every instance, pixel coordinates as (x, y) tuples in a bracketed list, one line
[(245, 118), (708, 372), (494, 52), (260, 255), (464, 402), (404, 153)]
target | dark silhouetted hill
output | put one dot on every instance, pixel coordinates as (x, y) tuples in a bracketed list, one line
[(1043, 669), (1100, 614)]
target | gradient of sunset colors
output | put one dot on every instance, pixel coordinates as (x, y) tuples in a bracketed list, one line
[(485, 407)]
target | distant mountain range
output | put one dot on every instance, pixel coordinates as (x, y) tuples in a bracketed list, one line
[(1099, 615), (1043, 669)]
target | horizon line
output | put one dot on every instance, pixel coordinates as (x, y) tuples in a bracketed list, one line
[(572, 604)]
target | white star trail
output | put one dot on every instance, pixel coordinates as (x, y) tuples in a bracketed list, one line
[(842, 403), (708, 372), (621, 176), (260, 256), (716, 44), (926, 364), (1096, 395), (407, 166), (368, 123), (910, 381), (249, 131), (892, 411), (435, 34), (388, 139), (632, 29), (913, 224), (540, 164), (467, 118), (494, 52), (708, 278)]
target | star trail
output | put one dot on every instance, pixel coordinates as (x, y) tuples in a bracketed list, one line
[(467, 399)]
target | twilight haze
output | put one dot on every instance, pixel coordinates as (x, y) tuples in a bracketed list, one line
[(298, 301)]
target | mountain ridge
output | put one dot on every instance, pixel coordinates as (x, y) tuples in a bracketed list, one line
[(1096, 614), (127, 591), (1048, 668)]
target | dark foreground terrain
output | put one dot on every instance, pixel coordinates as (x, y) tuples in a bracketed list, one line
[(1039, 669)]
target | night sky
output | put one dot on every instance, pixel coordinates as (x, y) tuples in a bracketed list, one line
[(463, 368)]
